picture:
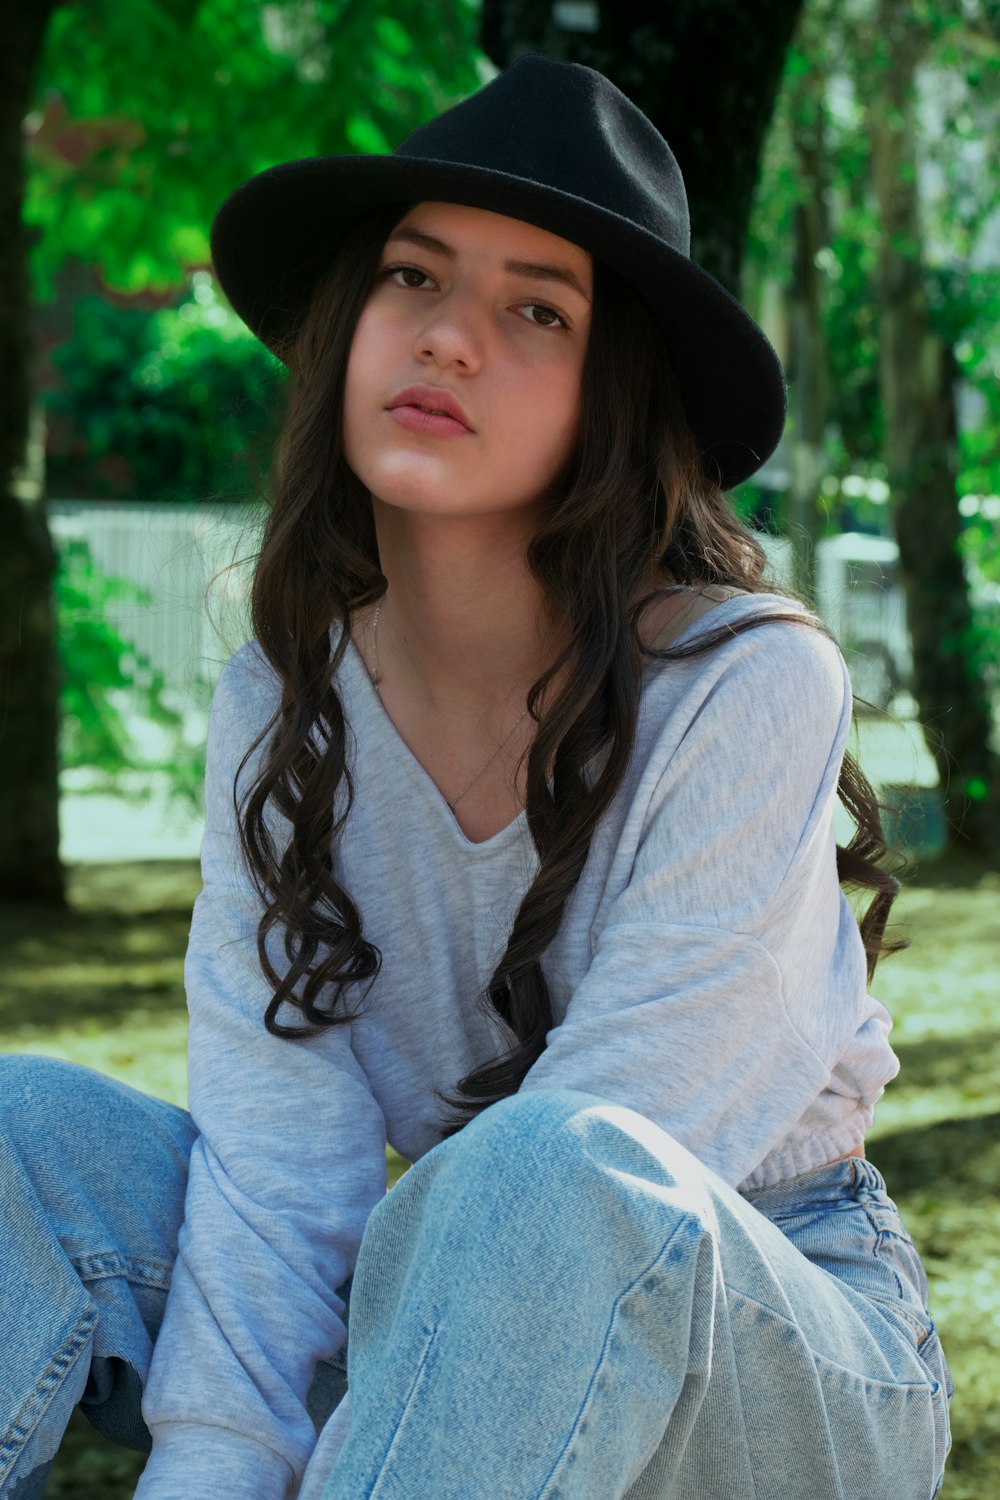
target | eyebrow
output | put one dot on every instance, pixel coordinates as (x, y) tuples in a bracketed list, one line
[(536, 270)]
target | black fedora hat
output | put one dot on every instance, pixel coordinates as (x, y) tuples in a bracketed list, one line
[(557, 145)]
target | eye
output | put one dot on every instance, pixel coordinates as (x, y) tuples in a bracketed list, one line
[(549, 318), (406, 276)]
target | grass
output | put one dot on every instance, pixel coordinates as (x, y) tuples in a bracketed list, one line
[(102, 985)]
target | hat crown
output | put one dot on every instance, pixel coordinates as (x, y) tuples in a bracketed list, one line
[(568, 129)]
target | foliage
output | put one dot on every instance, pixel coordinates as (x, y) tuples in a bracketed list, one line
[(146, 117), (977, 353), (158, 405), (98, 667), (836, 74), (149, 114), (959, 116), (981, 549)]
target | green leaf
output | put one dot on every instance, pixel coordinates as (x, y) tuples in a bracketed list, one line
[(148, 114)]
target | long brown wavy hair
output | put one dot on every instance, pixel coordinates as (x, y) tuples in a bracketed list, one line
[(637, 502)]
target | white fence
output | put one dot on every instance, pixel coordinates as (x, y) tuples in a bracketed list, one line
[(859, 596), (194, 563)]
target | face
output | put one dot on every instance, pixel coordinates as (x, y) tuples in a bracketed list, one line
[(464, 376)]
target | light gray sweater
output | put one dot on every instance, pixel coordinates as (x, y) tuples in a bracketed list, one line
[(708, 973)]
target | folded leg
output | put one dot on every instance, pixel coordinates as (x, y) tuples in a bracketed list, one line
[(92, 1179), (561, 1303)]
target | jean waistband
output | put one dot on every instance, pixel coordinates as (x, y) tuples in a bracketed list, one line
[(835, 1179)]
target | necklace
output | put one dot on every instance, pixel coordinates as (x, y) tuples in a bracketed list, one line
[(373, 673)]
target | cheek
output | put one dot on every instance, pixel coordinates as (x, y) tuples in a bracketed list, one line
[(545, 436), (358, 361), (359, 382), (556, 411)]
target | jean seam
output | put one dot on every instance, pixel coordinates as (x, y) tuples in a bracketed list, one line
[(917, 1321), (561, 1460), (922, 1335), (109, 1264), (35, 1406), (863, 1181), (739, 1392), (929, 1381), (432, 1334)]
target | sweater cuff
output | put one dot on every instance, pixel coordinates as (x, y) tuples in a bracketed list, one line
[(194, 1462)]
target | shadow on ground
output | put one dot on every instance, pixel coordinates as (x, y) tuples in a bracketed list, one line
[(954, 1158), (103, 981), (117, 948)]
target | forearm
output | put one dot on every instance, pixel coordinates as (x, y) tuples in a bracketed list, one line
[(199, 1462)]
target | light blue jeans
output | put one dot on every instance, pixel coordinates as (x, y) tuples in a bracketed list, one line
[(559, 1303)]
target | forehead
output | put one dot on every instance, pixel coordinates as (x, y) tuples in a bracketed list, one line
[(461, 226)]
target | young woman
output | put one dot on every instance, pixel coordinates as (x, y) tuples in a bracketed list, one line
[(519, 854)]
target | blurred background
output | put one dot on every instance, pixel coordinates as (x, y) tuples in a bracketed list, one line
[(841, 163)]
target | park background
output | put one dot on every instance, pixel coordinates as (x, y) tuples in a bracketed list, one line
[(841, 164)]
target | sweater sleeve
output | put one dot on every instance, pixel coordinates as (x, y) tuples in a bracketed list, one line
[(728, 971), (288, 1164)]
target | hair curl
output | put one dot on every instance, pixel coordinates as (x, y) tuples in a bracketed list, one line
[(638, 501)]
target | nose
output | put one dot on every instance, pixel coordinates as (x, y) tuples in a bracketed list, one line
[(454, 333)]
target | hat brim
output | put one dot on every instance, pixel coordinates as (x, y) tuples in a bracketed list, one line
[(275, 235)]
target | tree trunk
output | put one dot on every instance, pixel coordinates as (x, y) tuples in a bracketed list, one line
[(917, 374), (706, 72), (29, 674), (808, 381)]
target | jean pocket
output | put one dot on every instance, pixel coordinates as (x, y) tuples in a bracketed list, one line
[(912, 1321), (863, 1411), (918, 1330), (932, 1355)]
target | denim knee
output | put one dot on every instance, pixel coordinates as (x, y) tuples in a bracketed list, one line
[(106, 1164), (37, 1110), (533, 1116), (555, 1118), (45, 1102), (560, 1142)]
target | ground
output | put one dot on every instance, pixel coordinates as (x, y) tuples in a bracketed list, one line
[(102, 985)]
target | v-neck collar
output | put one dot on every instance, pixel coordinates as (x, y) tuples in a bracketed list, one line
[(363, 691), (371, 707)]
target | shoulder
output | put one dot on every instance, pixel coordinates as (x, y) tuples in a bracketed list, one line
[(740, 746), (247, 699), (750, 636), (755, 666), (248, 686)]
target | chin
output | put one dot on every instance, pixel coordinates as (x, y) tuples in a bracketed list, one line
[(425, 494), (420, 499), (434, 494)]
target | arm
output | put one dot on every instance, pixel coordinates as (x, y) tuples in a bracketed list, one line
[(727, 974), (288, 1165)]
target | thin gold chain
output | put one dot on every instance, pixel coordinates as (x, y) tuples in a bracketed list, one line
[(374, 675)]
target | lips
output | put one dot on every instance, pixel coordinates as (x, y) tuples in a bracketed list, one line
[(432, 399)]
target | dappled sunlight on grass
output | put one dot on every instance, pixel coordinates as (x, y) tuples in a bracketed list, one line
[(102, 984), (135, 1045), (947, 981), (937, 1137)]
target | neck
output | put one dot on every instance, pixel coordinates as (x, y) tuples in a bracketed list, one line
[(463, 622)]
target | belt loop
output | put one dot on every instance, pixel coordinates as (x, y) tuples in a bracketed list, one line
[(867, 1175)]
